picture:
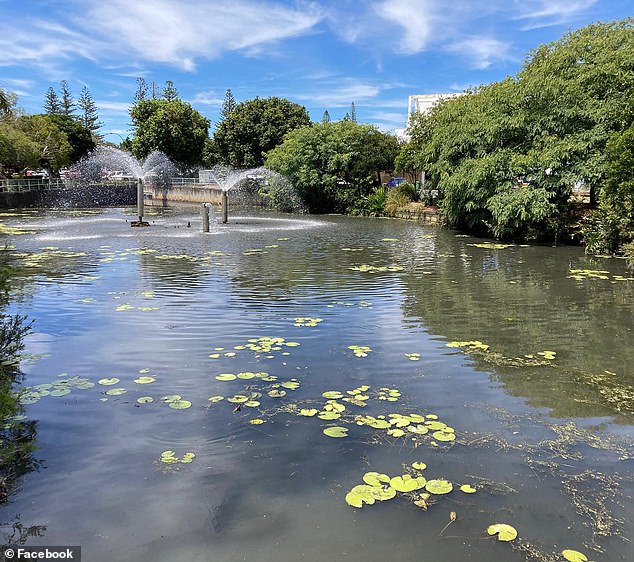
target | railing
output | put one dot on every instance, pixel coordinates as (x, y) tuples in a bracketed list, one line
[(24, 185)]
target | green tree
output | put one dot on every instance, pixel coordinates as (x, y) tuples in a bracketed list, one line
[(333, 165), (173, 127), (170, 93), (228, 105), (353, 113), (89, 118), (52, 146), (79, 137), (326, 117), (5, 106), (67, 103), (52, 104), (255, 127), (141, 90), (17, 149)]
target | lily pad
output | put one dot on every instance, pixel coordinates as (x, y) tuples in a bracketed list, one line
[(109, 382), (226, 377), (257, 421), (419, 465), (438, 487), (467, 489), (574, 555), (407, 483), (60, 392), (145, 399), (444, 435), (375, 479), (114, 391), (180, 404), (144, 380), (308, 412), (332, 394), (504, 532), (336, 431), (215, 399), (275, 393), (329, 415)]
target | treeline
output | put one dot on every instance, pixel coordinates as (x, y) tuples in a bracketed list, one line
[(505, 156), (63, 134)]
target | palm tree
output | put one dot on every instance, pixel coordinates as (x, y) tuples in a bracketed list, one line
[(5, 102)]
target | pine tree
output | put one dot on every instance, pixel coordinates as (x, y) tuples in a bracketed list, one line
[(89, 117), (141, 90), (353, 113), (67, 103), (170, 92), (228, 105), (326, 117), (52, 105), (155, 91), (346, 117)]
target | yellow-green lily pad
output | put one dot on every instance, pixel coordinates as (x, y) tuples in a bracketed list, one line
[(467, 489), (336, 431), (419, 465), (257, 421), (438, 487), (226, 377), (215, 399), (504, 532), (114, 391), (144, 380), (407, 483), (109, 382), (375, 479), (145, 399), (308, 412), (574, 555), (180, 404), (332, 394)]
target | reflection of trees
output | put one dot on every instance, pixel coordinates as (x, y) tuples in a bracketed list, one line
[(17, 436), (520, 301)]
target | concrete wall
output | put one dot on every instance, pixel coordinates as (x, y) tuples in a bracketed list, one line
[(188, 193), (104, 195)]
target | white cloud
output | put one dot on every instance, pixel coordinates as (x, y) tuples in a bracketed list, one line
[(341, 96), (415, 17), (207, 98), (164, 31), (545, 13), (482, 51)]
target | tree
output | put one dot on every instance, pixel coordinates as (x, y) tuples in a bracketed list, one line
[(173, 127), (353, 113), (255, 127), (67, 104), (50, 142), (79, 137), (88, 117), (332, 165), (5, 105), (155, 91), (170, 92), (52, 104), (228, 105), (326, 117), (141, 90)]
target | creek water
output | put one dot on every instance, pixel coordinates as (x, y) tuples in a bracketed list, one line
[(542, 418)]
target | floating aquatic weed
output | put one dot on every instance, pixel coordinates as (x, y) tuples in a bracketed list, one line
[(124, 307), (389, 394), (471, 345), (145, 400), (376, 478), (574, 555), (147, 308), (406, 483), (332, 394), (376, 269), (547, 354), (581, 274), (491, 245), (257, 421), (360, 350), (109, 382), (336, 431), (169, 457), (308, 412), (276, 393), (226, 376), (179, 404), (413, 356), (438, 486), (87, 300), (504, 532), (468, 489), (238, 399), (329, 416), (390, 239), (116, 391), (307, 322), (144, 380), (214, 399)]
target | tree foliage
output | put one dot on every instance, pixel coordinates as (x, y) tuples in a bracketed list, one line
[(171, 126), (67, 103), (228, 104), (79, 137), (506, 155), (255, 127), (333, 164), (88, 117), (52, 104)]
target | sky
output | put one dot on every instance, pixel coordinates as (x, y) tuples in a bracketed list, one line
[(323, 55)]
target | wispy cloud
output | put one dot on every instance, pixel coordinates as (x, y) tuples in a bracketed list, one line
[(207, 98), (121, 106), (164, 31), (342, 95), (546, 13), (414, 17), (482, 51)]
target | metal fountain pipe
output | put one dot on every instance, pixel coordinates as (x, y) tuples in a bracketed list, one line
[(139, 199), (205, 211), (225, 205)]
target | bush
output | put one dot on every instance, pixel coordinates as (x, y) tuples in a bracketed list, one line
[(399, 196)]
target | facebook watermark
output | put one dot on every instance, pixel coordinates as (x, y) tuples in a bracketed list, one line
[(42, 553)]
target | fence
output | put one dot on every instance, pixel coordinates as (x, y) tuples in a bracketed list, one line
[(26, 185)]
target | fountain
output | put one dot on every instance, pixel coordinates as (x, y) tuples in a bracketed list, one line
[(260, 182), (100, 164)]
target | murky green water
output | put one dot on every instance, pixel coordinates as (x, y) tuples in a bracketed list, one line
[(545, 438)]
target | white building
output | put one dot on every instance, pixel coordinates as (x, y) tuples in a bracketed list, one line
[(422, 103)]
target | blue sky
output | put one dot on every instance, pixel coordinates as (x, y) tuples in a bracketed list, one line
[(323, 55)]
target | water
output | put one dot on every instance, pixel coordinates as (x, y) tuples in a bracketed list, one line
[(552, 440)]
